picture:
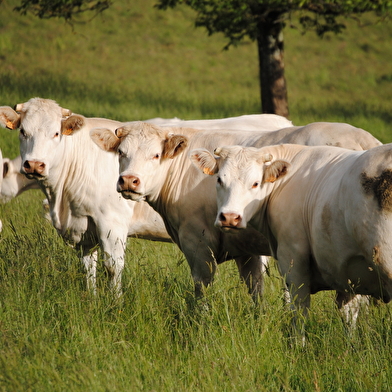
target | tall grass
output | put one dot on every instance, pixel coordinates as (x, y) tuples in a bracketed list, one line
[(135, 62)]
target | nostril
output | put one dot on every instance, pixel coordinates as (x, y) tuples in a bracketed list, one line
[(135, 182), (26, 165), (230, 219), (121, 181)]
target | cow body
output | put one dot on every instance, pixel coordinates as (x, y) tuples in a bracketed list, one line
[(154, 166), (247, 122), (79, 182), (326, 211)]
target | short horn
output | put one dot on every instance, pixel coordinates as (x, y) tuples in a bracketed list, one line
[(65, 112), (267, 157), (18, 107), (120, 132), (217, 151)]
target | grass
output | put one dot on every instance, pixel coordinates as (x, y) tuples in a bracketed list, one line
[(135, 62)]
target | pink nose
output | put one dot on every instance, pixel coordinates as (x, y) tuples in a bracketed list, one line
[(34, 167), (230, 219), (128, 183)]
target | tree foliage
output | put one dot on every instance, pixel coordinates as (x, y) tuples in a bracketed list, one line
[(237, 19), (67, 9)]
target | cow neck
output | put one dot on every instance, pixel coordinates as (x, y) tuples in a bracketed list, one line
[(73, 176)]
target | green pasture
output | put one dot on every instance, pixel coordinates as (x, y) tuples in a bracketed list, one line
[(132, 63)]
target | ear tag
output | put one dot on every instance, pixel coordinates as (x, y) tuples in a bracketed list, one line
[(206, 170)]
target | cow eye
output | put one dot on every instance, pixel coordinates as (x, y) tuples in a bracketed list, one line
[(56, 135), (23, 133), (219, 181), (255, 185), (120, 152), (156, 156)]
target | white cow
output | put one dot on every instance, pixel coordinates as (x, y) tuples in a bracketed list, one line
[(247, 122), (79, 182), (14, 182), (326, 211), (74, 222), (154, 166)]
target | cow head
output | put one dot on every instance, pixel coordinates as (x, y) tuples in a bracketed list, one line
[(39, 123), (14, 183), (145, 151), (242, 175)]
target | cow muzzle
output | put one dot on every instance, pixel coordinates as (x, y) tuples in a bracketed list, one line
[(229, 221), (129, 187), (33, 169)]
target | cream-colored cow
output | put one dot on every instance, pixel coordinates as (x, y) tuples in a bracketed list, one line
[(326, 211), (79, 182), (154, 167)]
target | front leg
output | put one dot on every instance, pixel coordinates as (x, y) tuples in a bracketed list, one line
[(294, 268), (201, 259), (89, 261), (350, 305), (252, 269), (113, 243)]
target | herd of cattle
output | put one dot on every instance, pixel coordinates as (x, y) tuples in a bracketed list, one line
[(317, 198)]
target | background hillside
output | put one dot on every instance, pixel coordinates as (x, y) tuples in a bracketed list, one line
[(131, 63), (135, 62)]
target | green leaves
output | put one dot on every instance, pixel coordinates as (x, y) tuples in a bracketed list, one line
[(237, 19), (66, 9)]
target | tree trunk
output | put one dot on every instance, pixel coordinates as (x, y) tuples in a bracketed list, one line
[(271, 66)]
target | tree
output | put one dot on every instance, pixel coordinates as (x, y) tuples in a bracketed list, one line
[(262, 21)]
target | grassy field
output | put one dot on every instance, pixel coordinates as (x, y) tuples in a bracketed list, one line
[(135, 62)]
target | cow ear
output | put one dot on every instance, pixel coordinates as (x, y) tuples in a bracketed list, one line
[(204, 161), (275, 170), (105, 139), (9, 118), (72, 124), (174, 145)]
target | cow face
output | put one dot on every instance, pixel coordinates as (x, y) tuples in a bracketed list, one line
[(242, 178), (39, 123), (145, 152), (14, 183)]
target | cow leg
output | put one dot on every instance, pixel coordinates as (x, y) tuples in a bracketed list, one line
[(252, 269), (349, 305), (203, 272), (202, 263), (113, 246), (89, 260), (293, 266)]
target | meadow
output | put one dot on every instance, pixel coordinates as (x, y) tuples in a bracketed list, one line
[(132, 63)]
